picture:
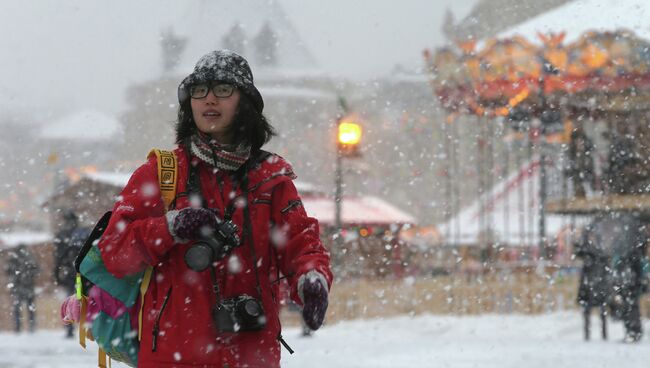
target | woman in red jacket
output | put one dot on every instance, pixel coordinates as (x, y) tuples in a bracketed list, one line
[(236, 225)]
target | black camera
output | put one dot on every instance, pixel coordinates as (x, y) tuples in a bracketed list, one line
[(239, 314), (213, 247)]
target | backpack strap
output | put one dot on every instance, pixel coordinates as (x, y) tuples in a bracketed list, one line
[(83, 303), (167, 179), (102, 358), (167, 174)]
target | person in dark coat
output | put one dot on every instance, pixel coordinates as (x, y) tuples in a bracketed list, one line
[(594, 287), (581, 162), (628, 276), (66, 275), (66, 249), (613, 251), (21, 270)]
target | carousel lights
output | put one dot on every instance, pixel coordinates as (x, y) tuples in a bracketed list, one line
[(597, 63)]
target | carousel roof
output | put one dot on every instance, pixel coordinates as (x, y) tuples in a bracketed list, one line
[(578, 17), (598, 63)]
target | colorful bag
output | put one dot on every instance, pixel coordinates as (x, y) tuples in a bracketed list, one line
[(113, 331)]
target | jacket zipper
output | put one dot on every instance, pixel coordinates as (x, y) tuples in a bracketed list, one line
[(261, 201), (156, 325), (292, 204)]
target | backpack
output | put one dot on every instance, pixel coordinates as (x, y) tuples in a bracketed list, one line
[(114, 334)]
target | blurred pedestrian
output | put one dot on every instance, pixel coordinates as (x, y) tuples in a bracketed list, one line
[(595, 279), (21, 270), (581, 169), (67, 242)]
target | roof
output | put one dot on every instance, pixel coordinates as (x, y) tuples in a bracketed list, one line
[(203, 35), (362, 210), (82, 125), (510, 212), (13, 239), (111, 178), (580, 16), (489, 17)]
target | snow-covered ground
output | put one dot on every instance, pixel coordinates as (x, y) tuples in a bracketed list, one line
[(553, 340)]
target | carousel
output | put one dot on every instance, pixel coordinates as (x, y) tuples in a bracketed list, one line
[(582, 110)]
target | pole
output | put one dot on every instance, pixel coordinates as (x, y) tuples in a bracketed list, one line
[(338, 199), (338, 195), (542, 200), (542, 173)]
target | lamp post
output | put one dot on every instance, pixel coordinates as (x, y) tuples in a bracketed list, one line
[(347, 146)]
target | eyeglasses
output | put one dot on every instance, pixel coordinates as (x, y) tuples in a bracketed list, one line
[(218, 89)]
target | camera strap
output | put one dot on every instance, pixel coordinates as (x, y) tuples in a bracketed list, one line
[(241, 177), (248, 227)]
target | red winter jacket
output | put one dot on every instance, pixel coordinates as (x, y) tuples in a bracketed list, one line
[(286, 240)]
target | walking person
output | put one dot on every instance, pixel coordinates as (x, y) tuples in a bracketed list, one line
[(67, 243), (595, 279), (236, 224), (21, 270)]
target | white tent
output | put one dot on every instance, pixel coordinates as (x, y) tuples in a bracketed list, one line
[(356, 210), (509, 212)]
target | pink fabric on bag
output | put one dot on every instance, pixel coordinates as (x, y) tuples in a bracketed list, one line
[(98, 301), (101, 301)]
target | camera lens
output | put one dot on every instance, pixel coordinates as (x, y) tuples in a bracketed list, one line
[(252, 308), (199, 256)]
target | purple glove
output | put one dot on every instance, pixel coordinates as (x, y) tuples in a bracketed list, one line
[(191, 223), (312, 289)]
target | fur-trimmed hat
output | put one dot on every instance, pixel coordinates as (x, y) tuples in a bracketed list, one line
[(223, 66)]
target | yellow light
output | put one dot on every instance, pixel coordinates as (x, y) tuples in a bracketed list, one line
[(349, 133)]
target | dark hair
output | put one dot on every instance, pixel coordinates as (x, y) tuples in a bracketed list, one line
[(250, 126)]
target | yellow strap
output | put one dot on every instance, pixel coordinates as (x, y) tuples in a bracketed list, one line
[(101, 358), (82, 322), (144, 285), (167, 179), (167, 174)]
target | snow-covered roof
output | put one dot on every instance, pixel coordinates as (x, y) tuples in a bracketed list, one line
[(110, 178), (82, 125), (510, 211), (363, 210), (580, 16), (13, 239), (203, 34)]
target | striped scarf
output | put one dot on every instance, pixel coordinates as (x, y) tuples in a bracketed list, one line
[(227, 156)]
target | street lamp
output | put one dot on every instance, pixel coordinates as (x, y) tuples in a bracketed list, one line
[(349, 137), (349, 134)]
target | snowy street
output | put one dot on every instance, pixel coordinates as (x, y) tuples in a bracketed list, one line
[(425, 341)]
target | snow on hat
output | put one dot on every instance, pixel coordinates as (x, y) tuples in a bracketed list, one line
[(224, 66)]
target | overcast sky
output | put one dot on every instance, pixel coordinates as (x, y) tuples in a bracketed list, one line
[(61, 56)]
